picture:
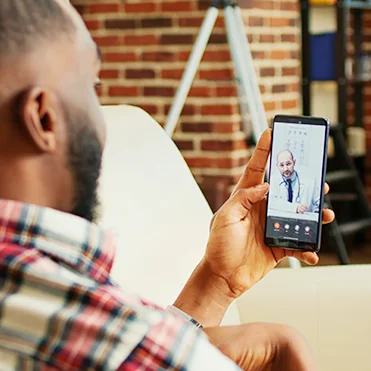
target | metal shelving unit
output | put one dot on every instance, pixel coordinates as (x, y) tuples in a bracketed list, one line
[(345, 174)]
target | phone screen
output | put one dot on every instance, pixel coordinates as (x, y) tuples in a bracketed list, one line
[(296, 176)]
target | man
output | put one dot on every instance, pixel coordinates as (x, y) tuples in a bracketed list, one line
[(59, 309), (291, 192)]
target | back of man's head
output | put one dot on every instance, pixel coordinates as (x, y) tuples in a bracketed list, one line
[(51, 132), (26, 25)]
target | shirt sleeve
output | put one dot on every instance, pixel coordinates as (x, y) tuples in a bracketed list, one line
[(175, 344)]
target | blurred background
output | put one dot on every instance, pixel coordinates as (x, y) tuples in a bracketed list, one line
[(310, 57)]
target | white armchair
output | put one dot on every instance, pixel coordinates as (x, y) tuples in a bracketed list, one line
[(151, 199)]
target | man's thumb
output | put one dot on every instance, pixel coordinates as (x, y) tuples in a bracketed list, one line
[(240, 204), (254, 194)]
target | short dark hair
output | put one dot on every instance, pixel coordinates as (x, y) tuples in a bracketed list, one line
[(25, 24)]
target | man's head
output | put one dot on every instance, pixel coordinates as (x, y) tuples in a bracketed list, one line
[(286, 163), (51, 129)]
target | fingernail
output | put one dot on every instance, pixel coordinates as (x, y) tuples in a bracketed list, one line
[(262, 186)]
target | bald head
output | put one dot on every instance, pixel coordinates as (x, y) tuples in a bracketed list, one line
[(285, 154), (51, 127), (286, 163)]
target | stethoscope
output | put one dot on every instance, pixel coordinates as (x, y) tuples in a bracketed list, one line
[(299, 185)]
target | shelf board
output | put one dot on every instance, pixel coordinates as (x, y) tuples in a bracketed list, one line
[(346, 4), (332, 82), (359, 81), (357, 4)]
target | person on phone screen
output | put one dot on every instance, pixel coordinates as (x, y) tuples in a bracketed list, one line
[(292, 192)]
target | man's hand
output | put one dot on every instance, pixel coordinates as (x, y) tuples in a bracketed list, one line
[(236, 251), (302, 209), (260, 346), (236, 257)]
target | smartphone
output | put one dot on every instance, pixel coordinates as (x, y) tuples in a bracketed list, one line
[(296, 173)]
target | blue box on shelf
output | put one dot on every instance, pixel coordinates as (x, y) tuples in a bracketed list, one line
[(323, 47)]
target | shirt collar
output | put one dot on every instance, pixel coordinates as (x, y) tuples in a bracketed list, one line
[(71, 240)]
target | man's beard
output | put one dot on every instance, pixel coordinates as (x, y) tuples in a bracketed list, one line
[(84, 161)]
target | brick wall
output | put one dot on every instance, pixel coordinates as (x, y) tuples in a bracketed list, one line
[(146, 44)]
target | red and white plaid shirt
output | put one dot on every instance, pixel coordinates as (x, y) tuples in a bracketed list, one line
[(59, 309)]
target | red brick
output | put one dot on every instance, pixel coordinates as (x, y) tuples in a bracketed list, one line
[(200, 162), (208, 127), (289, 5), (279, 22), (109, 74), (104, 8), (120, 24), (289, 38), (159, 91), (156, 22), (136, 40), (269, 106), (158, 57), (256, 21), (278, 88), (220, 74), (258, 55), (184, 56), (201, 91), (226, 91), (279, 54), (184, 145), (217, 145), (267, 71), (290, 71), (152, 109), (93, 24), (222, 145), (177, 6), (288, 104), (227, 163), (294, 87), (260, 4), (266, 38), (123, 91), (142, 7), (294, 54), (190, 22), (188, 110), (220, 23), (120, 57), (107, 40), (217, 56), (172, 74), (140, 74), (176, 39), (216, 38), (221, 109)]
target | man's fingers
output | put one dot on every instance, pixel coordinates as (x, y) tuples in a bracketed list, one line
[(307, 257), (327, 188), (255, 169), (328, 216)]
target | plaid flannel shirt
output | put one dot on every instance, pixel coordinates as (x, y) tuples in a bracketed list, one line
[(60, 310)]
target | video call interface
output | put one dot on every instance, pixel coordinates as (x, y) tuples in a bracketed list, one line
[(295, 182)]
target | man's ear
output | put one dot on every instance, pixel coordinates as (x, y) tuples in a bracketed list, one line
[(38, 117)]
